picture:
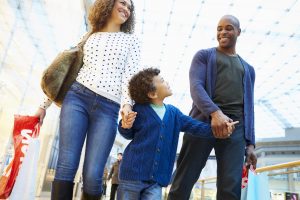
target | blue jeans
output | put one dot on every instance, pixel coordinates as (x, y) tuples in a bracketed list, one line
[(85, 114), (192, 159), (138, 190)]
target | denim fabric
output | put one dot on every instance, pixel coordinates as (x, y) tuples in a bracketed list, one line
[(85, 114), (192, 159), (138, 190)]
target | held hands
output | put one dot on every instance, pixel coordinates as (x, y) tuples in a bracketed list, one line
[(127, 122), (222, 126), (128, 116), (231, 127)]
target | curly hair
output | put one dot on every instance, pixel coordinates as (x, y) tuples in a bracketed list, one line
[(141, 84), (100, 12)]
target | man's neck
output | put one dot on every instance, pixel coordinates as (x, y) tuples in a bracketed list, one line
[(229, 52)]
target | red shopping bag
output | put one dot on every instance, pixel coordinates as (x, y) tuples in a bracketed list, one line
[(25, 127), (244, 177)]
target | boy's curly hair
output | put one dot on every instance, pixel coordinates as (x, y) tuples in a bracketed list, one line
[(100, 12), (141, 84)]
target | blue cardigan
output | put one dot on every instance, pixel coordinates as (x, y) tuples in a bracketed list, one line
[(150, 156), (203, 74)]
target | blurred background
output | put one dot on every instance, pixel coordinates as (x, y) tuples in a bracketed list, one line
[(33, 32)]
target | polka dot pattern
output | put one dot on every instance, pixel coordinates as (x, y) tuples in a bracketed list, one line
[(110, 60)]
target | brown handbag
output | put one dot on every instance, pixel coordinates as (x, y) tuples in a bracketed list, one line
[(62, 72)]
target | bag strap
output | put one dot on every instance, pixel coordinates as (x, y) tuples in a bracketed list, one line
[(84, 39)]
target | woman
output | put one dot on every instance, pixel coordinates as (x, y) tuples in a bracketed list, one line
[(91, 106)]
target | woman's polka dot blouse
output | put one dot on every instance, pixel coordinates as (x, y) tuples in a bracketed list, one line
[(110, 60)]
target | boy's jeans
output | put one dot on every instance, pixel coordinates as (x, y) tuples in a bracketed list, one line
[(138, 190), (85, 114)]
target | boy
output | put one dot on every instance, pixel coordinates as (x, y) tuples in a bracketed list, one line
[(149, 158)]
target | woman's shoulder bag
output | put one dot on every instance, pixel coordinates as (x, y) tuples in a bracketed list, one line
[(62, 72)]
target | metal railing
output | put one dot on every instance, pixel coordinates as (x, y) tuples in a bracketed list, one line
[(287, 165)]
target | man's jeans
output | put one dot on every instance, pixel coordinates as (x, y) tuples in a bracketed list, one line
[(138, 190), (85, 114), (192, 159)]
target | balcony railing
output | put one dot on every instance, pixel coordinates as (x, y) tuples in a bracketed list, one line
[(284, 177)]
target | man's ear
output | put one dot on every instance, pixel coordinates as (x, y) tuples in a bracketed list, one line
[(152, 95), (239, 31)]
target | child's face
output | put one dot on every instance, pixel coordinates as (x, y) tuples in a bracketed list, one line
[(163, 89)]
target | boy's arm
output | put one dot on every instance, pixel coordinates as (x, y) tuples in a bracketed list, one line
[(125, 132), (201, 129), (194, 127), (126, 124)]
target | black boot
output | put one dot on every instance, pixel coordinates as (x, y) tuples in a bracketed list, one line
[(62, 190), (85, 196)]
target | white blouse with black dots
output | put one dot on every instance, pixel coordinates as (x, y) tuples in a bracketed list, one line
[(110, 59)]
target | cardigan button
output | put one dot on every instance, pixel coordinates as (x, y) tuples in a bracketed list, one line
[(161, 137), (155, 163), (158, 150)]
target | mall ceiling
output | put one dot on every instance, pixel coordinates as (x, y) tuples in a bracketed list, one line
[(32, 32)]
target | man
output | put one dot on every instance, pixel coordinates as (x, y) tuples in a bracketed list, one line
[(221, 85), (113, 175)]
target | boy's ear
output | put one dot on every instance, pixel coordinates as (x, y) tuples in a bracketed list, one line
[(152, 95)]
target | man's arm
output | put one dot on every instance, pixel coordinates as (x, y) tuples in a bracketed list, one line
[(200, 97), (197, 77), (251, 158)]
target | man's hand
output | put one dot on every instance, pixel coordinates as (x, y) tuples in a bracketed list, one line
[(251, 158), (40, 113), (219, 124), (127, 121)]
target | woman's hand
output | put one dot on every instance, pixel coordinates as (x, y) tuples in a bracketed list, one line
[(127, 122), (128, 116), (40, 113), (126, 109)]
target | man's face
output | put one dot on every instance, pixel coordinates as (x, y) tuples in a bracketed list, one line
[(227, 33)]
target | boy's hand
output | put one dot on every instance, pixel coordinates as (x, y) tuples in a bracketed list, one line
[(128, 120), (231, 127), (218, 124)]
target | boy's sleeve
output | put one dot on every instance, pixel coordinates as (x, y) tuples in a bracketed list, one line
[(126, 133), (194, 127)]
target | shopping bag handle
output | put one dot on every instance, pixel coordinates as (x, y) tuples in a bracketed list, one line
[(36, 130), (252, 169)]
